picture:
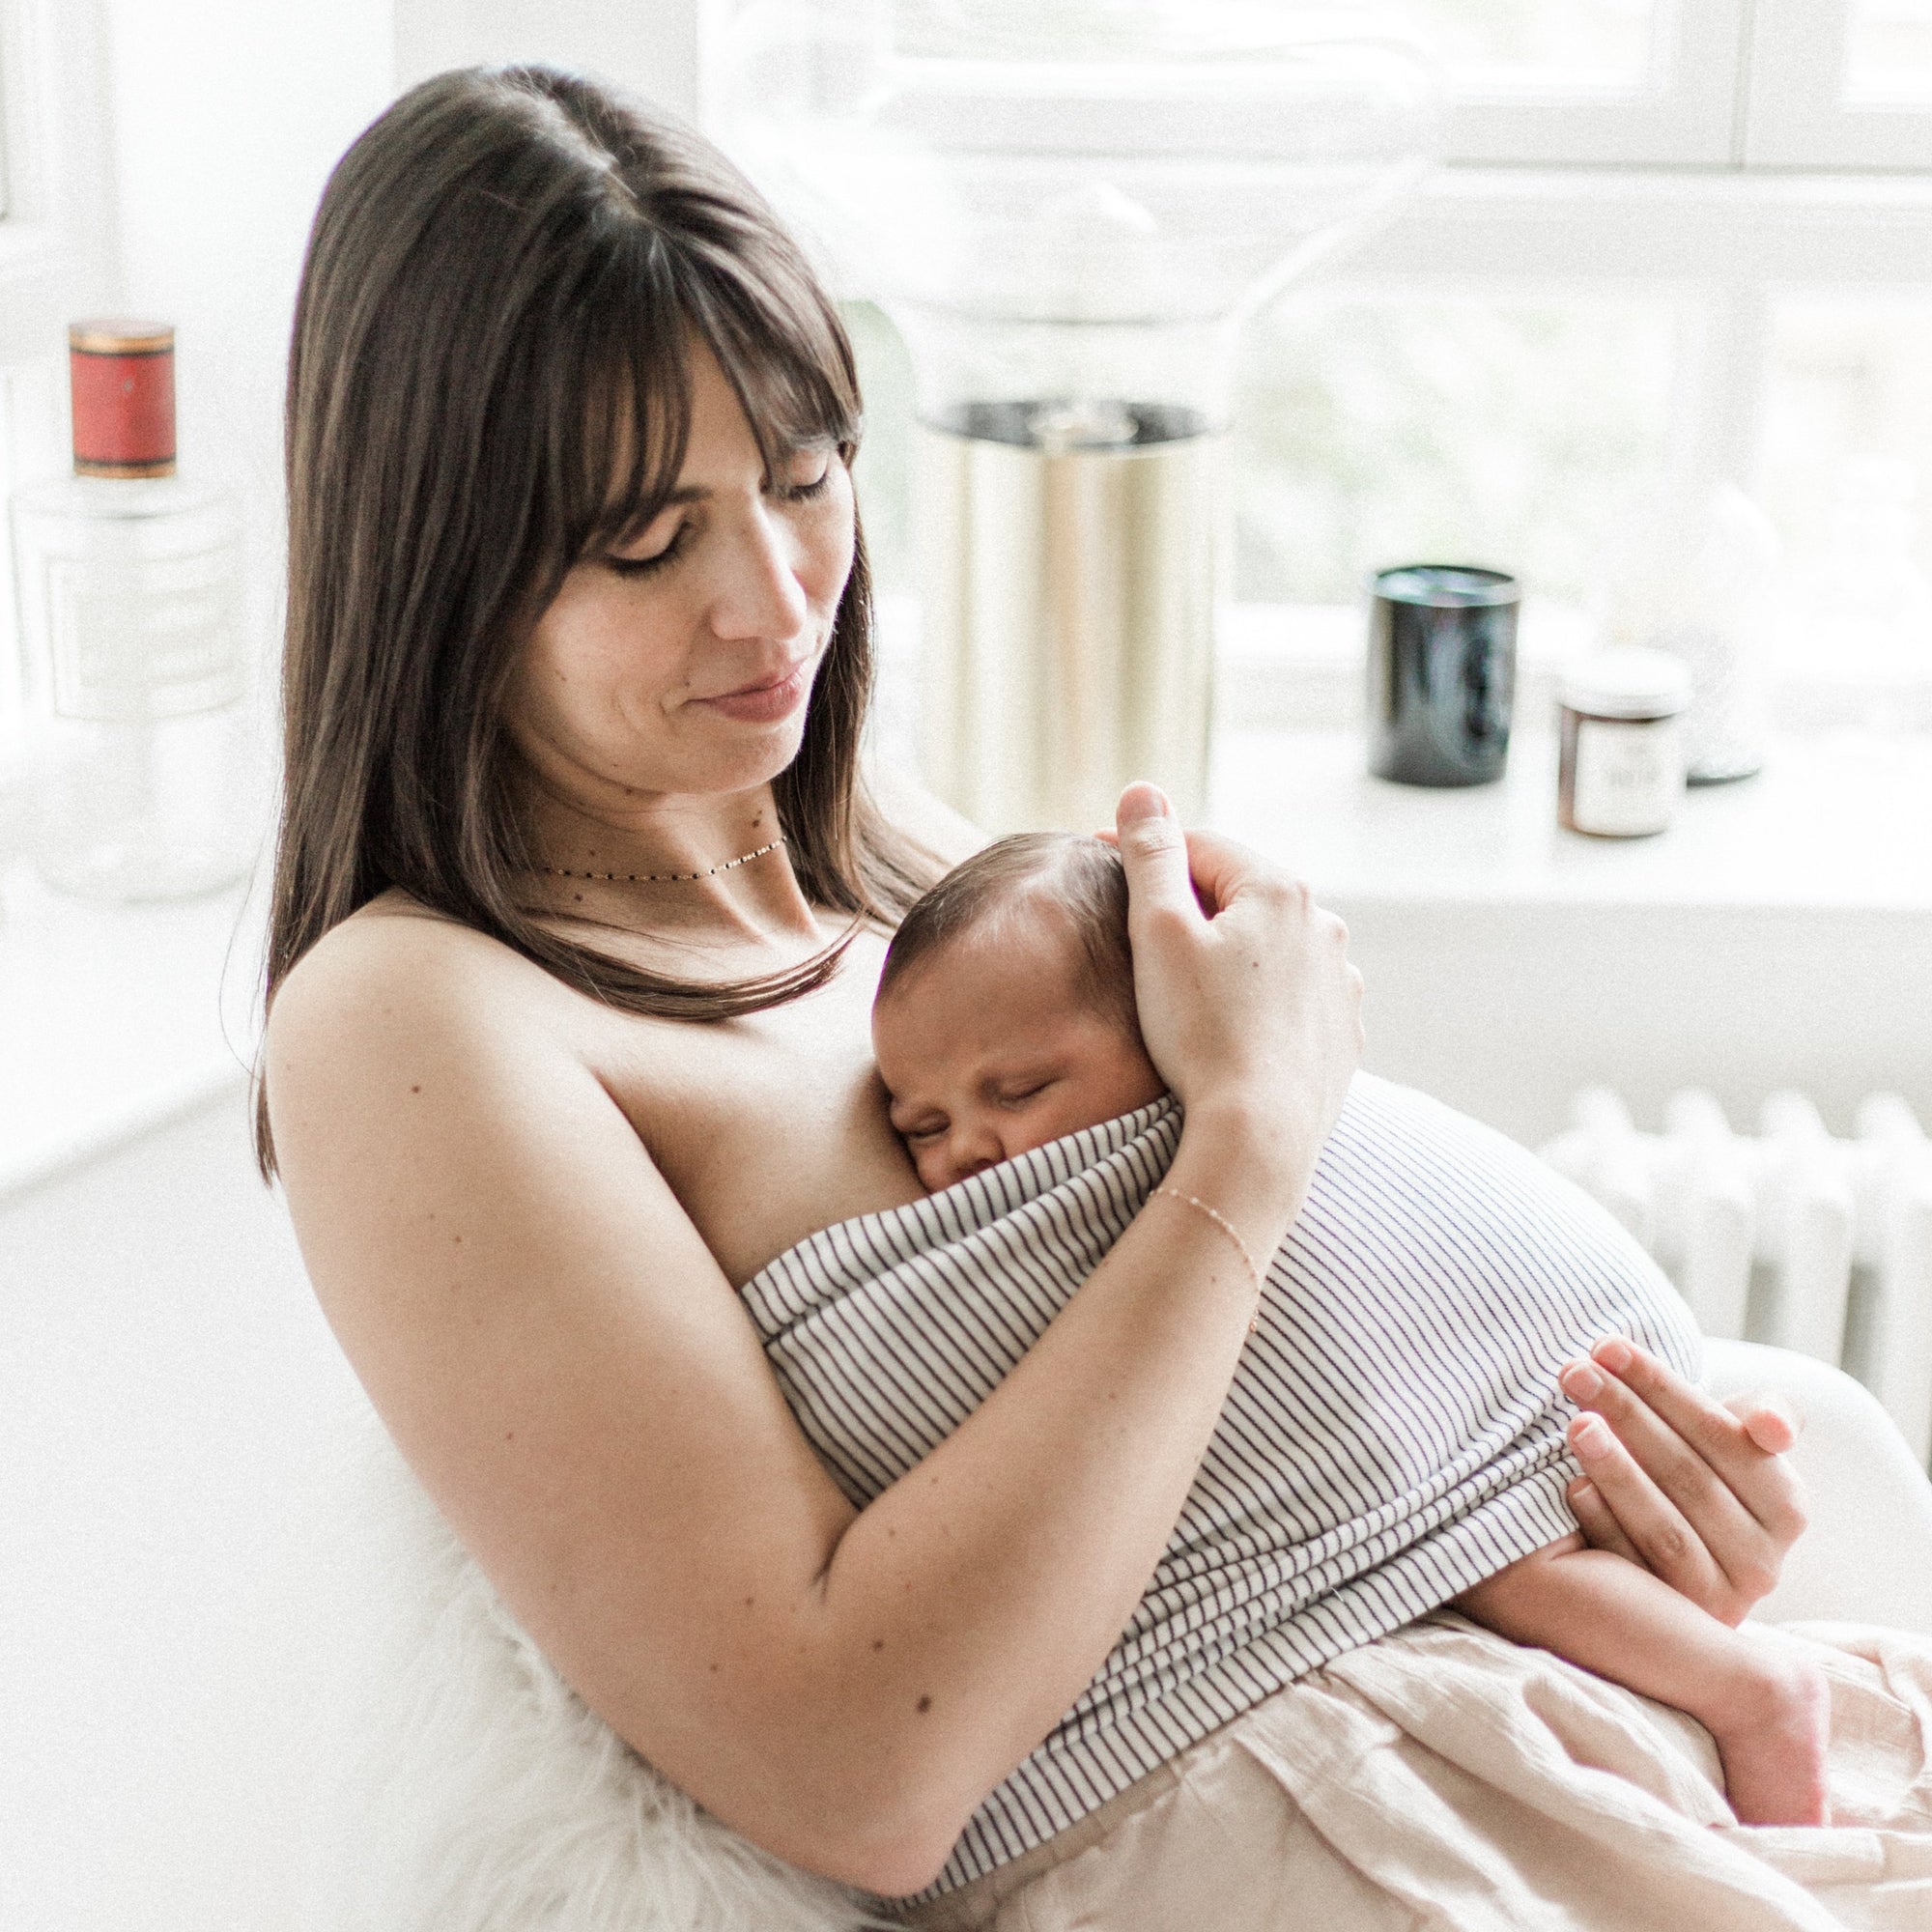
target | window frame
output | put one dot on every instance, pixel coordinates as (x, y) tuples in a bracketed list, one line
[(1749, 84), (1796, 114), (1685, 111)]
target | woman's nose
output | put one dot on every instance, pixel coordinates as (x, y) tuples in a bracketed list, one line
[(759, 594)]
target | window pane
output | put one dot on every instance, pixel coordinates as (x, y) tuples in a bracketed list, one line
[(1542, 44), (1848, 425), (1890, 53), (1505, 434)]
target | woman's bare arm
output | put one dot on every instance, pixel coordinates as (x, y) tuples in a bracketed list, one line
[(564, 1364)]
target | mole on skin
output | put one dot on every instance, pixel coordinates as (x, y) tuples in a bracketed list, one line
[(924, 1705)]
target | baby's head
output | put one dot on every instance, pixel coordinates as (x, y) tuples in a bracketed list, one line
[(1004, 1015)]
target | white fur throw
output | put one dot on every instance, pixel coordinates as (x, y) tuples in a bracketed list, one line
[(488, 1799)]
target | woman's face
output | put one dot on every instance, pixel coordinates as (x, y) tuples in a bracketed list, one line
[(683, 661)]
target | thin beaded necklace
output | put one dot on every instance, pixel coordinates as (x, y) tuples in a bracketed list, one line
[(666, 878)]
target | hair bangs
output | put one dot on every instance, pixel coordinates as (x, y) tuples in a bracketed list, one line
[(789, 363), (620, 439)]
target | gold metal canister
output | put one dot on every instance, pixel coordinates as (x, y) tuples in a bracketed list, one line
[(1069, 563)]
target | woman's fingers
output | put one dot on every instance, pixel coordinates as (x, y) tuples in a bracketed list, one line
[(1718, 1441), (1223, 868), (1153, 850), (1680, 1465), (1649, 1522), (1218, 868), (1600, 1529), (1245, 995), (1769, 1420)]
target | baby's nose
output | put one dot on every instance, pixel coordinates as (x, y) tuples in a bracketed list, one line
[(972, 1148)]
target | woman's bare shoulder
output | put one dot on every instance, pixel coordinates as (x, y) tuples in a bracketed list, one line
[(396, 988), (396, 953)]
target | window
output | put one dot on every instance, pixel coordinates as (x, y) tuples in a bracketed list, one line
[(1670, 238)]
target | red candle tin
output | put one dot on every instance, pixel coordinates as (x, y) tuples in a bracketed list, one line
[(123, 380)]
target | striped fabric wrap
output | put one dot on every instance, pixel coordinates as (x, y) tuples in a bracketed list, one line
[(1393, 1433)]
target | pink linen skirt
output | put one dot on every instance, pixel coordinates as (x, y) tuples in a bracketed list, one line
[(1446, 1778)]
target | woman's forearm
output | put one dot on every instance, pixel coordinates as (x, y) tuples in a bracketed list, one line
[(965, 1609)]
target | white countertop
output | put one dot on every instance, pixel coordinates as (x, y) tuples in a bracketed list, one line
[(113, 1019)]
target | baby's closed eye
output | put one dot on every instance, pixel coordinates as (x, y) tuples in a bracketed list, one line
[(1018, 1095)]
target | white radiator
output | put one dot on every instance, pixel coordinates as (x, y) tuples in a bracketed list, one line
[(1789, 1237)]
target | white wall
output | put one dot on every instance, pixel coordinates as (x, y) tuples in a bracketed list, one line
[(172, 1408), (1506, 1009), (649, 46)]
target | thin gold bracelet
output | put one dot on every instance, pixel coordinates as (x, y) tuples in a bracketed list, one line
[(1233, 1234)]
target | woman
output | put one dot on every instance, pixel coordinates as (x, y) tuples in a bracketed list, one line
[(579, 909)]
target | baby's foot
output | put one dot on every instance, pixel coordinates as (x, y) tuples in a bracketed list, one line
[(1773, 1739)]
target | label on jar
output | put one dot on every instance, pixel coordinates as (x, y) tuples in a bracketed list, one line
[(1630, 775), (159, 639)]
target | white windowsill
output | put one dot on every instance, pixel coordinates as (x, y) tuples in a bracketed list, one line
[(1836, 819), (114, 1019)]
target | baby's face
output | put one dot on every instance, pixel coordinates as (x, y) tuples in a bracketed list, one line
[(987, 1050)]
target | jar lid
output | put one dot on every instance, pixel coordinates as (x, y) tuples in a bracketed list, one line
[(104, 335), (1447, 585), (1627, 681)]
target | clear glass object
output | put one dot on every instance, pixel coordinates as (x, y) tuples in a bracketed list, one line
[(1069, 212), (1697, 574), (130, 618), (1537, 45)]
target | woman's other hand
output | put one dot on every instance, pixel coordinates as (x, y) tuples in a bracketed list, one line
[(1696, 1490), (1247, 1000)]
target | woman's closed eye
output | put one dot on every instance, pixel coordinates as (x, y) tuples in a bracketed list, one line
[(799, 492), (661, 559)]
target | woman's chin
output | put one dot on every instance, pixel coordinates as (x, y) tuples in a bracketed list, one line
[(748, 761)]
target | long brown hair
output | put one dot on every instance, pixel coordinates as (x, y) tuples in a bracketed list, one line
[(487, 381)]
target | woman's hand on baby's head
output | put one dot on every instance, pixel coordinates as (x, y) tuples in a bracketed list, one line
[(1245, 992)]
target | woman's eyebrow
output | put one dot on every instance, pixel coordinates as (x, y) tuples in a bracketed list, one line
[(696, 493)]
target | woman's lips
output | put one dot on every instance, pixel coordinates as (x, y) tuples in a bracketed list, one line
[(764, 704)]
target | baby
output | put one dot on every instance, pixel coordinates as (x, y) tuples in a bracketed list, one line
[(1005, 1019)]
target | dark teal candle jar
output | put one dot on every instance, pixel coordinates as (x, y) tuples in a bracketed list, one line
[(1442, 673)]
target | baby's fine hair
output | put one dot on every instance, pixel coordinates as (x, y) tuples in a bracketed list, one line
[(1079, 877)]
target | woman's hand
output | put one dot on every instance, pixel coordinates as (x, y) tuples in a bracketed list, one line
[(1247, 1001), (1695, 1491)]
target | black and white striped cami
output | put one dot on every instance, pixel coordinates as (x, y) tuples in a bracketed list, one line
[(1393, 1433)]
